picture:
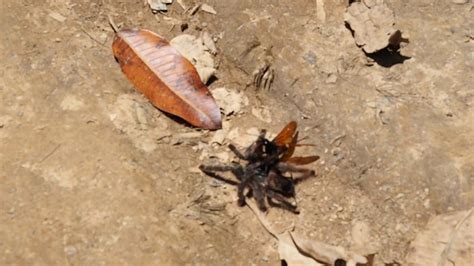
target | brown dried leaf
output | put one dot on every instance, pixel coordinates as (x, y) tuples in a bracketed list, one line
[(165, 77)]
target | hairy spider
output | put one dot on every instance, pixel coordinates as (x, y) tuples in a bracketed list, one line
[(263, 173)]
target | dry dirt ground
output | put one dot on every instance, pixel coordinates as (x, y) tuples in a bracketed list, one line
[(91, 173)]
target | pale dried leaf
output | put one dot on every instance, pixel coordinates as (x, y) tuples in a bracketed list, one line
[(219, 136), (181, 3), (262, 219), (372, 23), (290, 253), (447, 240), (197, 53), (157, 5), (362, 241), (230, 101), (208, 9), (291, 247), (209, 42), (327, 253), (243, 139), (263, 114)]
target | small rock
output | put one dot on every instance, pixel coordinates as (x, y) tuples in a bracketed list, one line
[(158, 5), (310, 58), (460, 2), (11, 211), (70, 250)]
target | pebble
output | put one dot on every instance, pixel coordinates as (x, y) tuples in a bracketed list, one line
[(70, 250), (310, 58)]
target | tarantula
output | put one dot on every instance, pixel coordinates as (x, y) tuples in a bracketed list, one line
[(263, 174)]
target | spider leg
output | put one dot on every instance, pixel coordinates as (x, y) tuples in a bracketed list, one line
[(236, 169), (256, 149), (281, 184), (286, 167), (305, 173), (262, 134), (258, 192), (303, 177), (240, 189), (237, 152), (282, 200)]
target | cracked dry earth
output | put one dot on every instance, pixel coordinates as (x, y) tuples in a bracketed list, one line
[(92, 174)]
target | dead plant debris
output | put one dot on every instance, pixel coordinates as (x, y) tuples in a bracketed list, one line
[(263, 173), (372, 23)]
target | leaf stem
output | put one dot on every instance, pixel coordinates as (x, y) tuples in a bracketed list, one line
[(112, 24)]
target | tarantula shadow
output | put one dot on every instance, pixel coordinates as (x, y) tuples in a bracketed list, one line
[(263, 172)]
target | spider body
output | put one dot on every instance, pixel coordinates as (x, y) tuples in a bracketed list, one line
[(263, 173)]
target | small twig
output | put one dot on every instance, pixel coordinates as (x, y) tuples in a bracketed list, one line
[(195, 9), (338, 139), (92, 37), (112, 24), (50, 153), (29, 52)]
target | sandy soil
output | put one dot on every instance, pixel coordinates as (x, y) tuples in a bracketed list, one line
[(91, 173)]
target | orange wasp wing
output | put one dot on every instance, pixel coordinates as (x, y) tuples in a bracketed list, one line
[(286, 135), (291, 148), (288, 138), (302, 160)]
